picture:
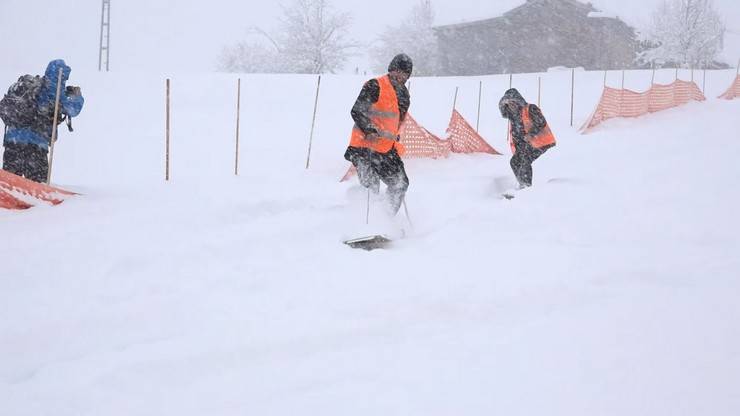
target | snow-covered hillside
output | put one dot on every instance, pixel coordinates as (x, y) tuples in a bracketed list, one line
[(608, 288)]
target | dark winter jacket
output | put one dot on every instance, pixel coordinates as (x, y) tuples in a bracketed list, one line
[(514, 115), (368, 96), (39, 129)]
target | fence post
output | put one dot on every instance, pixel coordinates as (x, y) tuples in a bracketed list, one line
[(511, 80), (623, 78), (539, 92), (454, 101), (652, 79), (605, 72), (480, 93), (238, 113), (313, 122), (704, 80), (167, 134), (54, 127), (572, 94)]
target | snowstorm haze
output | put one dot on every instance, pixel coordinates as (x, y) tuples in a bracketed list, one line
[(189, 35)]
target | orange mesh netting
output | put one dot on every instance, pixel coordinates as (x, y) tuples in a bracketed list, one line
[(464, 138), (625, 103), (420, 143), (734, 90), (8, 201), (13, 186)]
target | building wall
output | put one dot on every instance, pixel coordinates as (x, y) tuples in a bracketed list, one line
[(539, 35)]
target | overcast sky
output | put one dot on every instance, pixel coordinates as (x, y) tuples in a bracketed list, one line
[(166, 35)]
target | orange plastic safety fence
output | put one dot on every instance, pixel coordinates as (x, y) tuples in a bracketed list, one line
[(734, 90), (13, 186), (8, 201), (464, 138), (420, 143), (621, 103)]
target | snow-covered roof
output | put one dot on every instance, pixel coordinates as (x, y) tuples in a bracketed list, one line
[(487, 12), (449, 15), (603, 15)]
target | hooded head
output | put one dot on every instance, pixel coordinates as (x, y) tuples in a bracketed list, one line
[(52, 70), (47, 94), (401, 63), (511, 103)]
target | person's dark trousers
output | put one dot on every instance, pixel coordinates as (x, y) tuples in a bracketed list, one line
[(521, 163), (373, 167), (26, 160)]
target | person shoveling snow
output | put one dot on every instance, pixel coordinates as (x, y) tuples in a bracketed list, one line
[(530, 136), (375, 149)]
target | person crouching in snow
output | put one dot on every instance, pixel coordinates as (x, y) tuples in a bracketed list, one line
[(530, 135), (374, 148)]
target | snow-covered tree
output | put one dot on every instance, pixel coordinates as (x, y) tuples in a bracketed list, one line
[(414, 37), (252, 56), (685, 32), (311, 37)]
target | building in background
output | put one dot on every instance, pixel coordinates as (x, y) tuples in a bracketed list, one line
[(535, 36)]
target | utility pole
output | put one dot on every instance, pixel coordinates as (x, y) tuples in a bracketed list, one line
[(104, 53)]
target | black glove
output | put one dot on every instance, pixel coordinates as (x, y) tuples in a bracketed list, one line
[(71, 90)]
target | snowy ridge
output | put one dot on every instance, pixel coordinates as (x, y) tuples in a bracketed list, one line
[(608, 288)]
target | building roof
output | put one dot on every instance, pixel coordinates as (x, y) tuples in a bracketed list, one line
[(513, 6)]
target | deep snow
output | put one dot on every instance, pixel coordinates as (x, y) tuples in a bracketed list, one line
[(609, 288)]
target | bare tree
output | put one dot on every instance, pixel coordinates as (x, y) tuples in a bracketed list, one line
[(414, 37), (310, 38), (685, 32)]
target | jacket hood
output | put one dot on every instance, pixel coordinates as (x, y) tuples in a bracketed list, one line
[(511, 96), (47, 94), (52, 70)]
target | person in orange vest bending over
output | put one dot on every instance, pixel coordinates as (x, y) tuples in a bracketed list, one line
[(530, 136), (374, 148)]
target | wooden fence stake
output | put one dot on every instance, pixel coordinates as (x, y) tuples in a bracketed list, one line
[(623, 78), (454, 101), (572, 94), (605, 72), (54, 126), (167, 135), (539, 92), (238, 113), (480, 93), (313, 122)]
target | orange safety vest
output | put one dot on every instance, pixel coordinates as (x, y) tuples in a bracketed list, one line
[(542, 139), (386, 116)]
